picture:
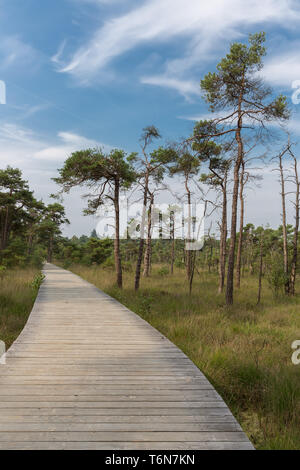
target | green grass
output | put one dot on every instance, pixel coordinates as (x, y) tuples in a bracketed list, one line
[(18, 290), (245, 350)]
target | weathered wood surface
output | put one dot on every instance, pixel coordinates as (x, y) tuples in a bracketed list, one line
[(87, 373)]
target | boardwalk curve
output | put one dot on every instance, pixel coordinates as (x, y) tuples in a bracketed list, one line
[(87, 373)]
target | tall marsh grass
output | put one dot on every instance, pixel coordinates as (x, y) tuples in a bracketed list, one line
[(17, 296)]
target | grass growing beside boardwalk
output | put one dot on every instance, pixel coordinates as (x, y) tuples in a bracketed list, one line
[(245, 351), (18, 290)]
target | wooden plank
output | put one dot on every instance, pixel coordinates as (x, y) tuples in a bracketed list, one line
[(82, 395), (50, 445), (81, 403), (130, 411), (132, 436), (116, 389), (105, 380), (129, 419), (117, 427), (87, 373)]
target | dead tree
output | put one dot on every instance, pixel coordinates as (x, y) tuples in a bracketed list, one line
[(218, 179), (261, 252), (147, 257), (292, 278), (284, 220), (245, 177), (148, 165)]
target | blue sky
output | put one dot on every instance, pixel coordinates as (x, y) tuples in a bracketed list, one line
[(81, 73)]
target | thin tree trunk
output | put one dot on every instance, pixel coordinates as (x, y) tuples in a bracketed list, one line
[(260, 267), (284, 229), (172, 242), (223, 238), (211, 251), (4, 234), (296, 232), (30, 244), (142, 228), (188, 255), (193, 263), (6, 229), (239, 160), (240, 241), (117, 253), (50, 249), (147, 257)]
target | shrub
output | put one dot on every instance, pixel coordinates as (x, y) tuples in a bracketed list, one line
[(37, 281), (179, 263), (109, 263), (2, 271), (67, 263), (276, 276), (38, 257), (127, 266), (163, 271)]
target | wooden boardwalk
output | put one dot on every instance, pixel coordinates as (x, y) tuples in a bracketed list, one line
[(87, 373)]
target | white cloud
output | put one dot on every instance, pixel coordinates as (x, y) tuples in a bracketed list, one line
[(202, 24), (205, 116), (283, 69), (293, 125), (31, 110), (69, 143), (11, 133), (21, 146), (39, 159), (185, 87)]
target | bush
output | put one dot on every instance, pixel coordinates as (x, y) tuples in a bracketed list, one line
[(86, 260), (276, 276), (37, 281), (38, 257), (127, 266), (15, 254), (2, 271), (145, 304), (109, 263), (67, 263), (179, 264), (163, 271), (99, 250)]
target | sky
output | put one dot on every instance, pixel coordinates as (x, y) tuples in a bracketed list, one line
[(86, 73)]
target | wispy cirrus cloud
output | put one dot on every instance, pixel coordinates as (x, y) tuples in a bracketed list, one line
[(200, 25), (56, 58), (185, 87), (16, 53)]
